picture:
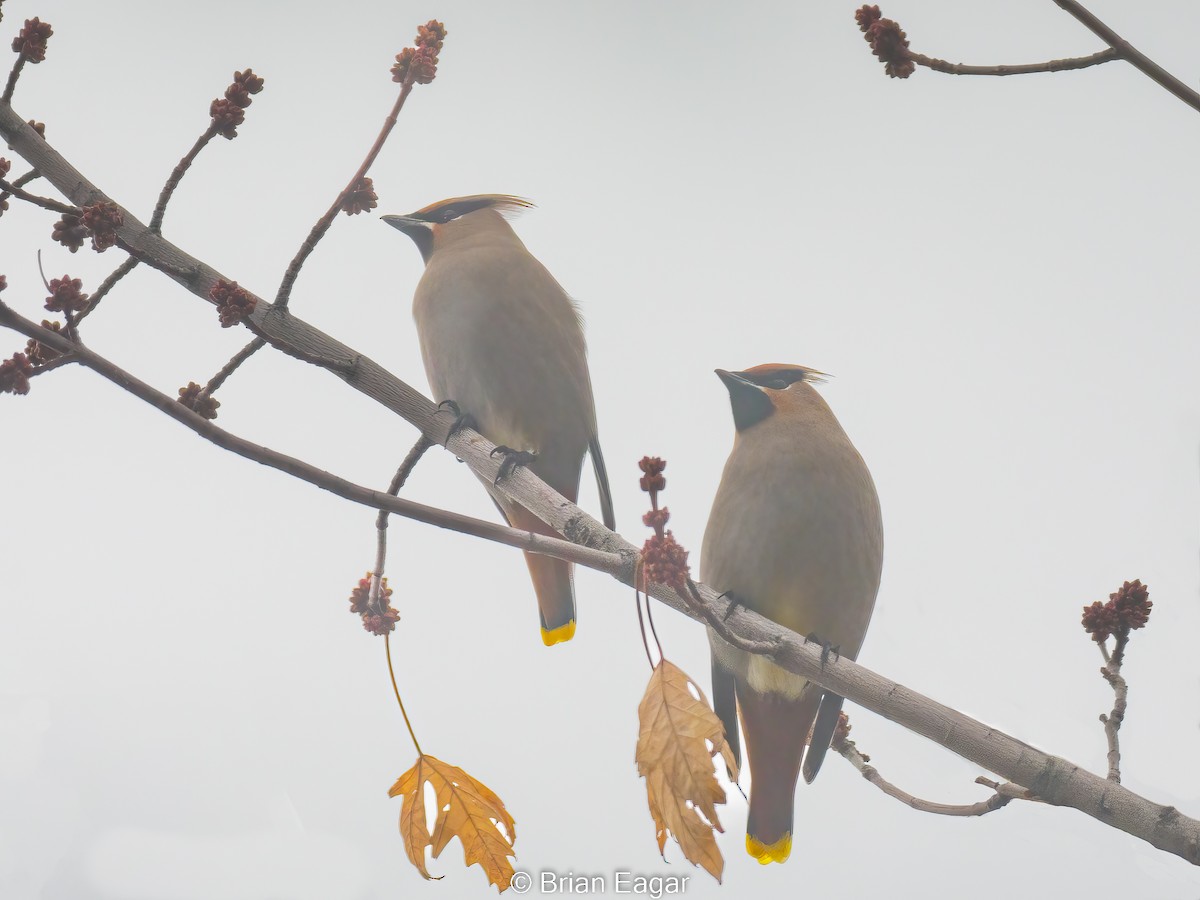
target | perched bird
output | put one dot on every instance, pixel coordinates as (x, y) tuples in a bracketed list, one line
[(795, 534), (504, 343)]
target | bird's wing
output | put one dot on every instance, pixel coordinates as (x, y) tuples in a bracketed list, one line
[(606, 503)]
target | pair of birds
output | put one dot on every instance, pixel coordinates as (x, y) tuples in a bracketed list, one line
[(795, 531)]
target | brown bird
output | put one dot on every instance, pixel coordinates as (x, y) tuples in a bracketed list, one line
[(502, 341), (795, 534)]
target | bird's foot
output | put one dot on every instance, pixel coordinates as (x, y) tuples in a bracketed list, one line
[(734, 602), (461, 419), (512, 459), (827, 649)]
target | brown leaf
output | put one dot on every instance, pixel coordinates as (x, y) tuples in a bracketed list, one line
[(466, 809), (673, 755)]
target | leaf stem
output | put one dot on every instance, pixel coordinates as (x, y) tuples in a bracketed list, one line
[(392, 674)]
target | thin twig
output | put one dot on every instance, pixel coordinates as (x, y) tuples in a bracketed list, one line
[(160, 208), (63, 360), (1111, 670), (851, 754), (381, 521), (12, 78), (1008, 789), (230, 367), (1054, 65), (318, 231), (107, 285), (1132, 55), (10, 189), (31, 175)]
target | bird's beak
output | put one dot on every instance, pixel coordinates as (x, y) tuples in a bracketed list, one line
[(417, 229), (750, 402), (733, 379), (405, 223)]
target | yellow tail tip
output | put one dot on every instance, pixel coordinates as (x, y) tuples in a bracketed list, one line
[(769, 853), (552, 636)]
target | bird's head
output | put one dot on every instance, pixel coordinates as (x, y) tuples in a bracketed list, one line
[(756, 393), (425, 225)]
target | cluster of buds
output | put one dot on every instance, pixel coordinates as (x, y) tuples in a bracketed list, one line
[(1126, 609), (14, 374), (420, 63), (664, 559), (66, 295), (30, 42), (233, 302), (888, 41), (841, 734), (102, 221), (38, 353), (194, 398), (229, 112), (360, 198), (380, 619), (70, 232)]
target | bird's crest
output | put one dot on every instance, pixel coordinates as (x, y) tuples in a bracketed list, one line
[(780, 376), (447, 210)]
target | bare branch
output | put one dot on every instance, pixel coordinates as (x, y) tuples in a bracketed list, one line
[(230, 367), (318, 230), (1132, 55), (11, 190), (13, 75), (1053, 65), (381, 521), (1111, 670), (107, 285), (860, 761), (176, 176)]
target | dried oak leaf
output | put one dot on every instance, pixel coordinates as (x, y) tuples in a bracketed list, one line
[(676, 732), (466, 809)]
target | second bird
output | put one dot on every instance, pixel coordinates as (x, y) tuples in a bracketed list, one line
[(795, 534), (504, 341)]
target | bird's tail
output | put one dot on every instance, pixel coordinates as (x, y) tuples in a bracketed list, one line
[(552, 582), (776, 728)]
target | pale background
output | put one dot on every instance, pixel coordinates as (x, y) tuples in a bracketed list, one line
[(999, 272)]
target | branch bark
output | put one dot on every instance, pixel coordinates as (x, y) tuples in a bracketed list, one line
[(1049, 778)]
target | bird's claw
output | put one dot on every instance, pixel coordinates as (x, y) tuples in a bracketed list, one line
[(461, 419), (734, 602), (827, 648), (512, 459)]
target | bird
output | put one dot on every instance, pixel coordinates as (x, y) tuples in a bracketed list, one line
[(795, 534), (503, 344)]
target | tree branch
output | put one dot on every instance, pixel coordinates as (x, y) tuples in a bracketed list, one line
[(1054, 65), (1132, 55), (1111, 670), (861, 762)]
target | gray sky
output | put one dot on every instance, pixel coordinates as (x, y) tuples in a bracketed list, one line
[(999, 273)]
